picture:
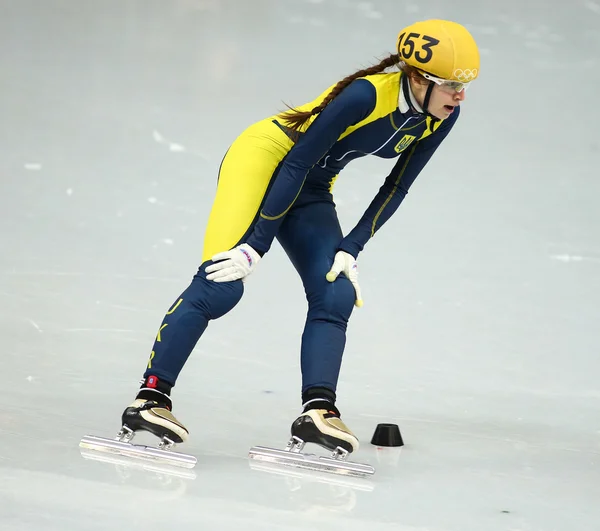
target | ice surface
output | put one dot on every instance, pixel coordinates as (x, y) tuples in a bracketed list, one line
[(479, 334)]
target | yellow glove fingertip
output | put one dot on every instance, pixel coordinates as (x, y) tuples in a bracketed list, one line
[(331, 276)]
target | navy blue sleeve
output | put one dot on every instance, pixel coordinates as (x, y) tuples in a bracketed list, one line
[(351, 106), (395, 187)]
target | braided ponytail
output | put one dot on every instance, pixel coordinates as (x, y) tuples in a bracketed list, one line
[(296, 119)]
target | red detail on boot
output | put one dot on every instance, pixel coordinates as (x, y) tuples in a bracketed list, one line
[(152, 382)]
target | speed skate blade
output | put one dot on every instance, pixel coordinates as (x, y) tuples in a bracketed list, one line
[(141, 464), (138, 451), (310, 461)]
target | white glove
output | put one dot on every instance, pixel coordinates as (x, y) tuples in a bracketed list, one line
[(233, 265), (346, 263)]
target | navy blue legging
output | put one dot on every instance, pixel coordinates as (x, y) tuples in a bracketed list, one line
[(310, 235)]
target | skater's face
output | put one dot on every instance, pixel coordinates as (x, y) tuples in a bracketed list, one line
[(443, 99)]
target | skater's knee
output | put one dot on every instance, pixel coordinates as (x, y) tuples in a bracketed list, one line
[(332, 300), (215, 299)]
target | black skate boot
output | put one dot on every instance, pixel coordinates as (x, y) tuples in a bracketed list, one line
[(151, 411), (320, 423)]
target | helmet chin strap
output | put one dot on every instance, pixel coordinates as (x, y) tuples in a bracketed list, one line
[(407, 97), (407, 93), (427, 98)]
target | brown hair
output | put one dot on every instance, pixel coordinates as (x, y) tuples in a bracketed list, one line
[(295, 118)]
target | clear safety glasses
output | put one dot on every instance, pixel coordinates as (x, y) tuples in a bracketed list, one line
[(446, 85)]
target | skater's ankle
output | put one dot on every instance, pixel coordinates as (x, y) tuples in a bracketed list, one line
[(152, 395), (154, 382), (317, 393), (319, 398), (155, 390)]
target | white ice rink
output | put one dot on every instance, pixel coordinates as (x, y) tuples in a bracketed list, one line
[(479, 334)]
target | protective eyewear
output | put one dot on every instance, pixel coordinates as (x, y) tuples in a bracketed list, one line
[(446, 85)]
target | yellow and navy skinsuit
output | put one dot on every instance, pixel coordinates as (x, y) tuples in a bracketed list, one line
[(271, 186)]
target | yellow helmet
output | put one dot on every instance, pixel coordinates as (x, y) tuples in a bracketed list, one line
[(441, 48)]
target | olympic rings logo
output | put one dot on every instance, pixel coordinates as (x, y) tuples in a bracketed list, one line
[(465, 75)]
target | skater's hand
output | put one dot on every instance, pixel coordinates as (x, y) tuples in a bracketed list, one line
[(233, 265), (346, 263)]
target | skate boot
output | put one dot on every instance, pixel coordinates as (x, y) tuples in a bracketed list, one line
[(320, 423), (151, 411)]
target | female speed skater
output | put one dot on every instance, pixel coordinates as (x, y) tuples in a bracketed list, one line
[(276, 181)]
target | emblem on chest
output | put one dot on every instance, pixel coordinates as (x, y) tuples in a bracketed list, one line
[(404, 143)]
